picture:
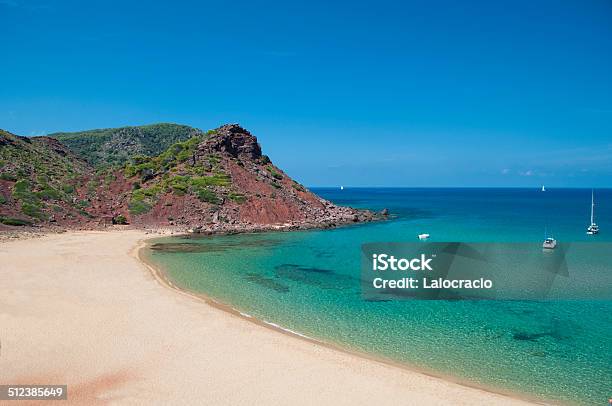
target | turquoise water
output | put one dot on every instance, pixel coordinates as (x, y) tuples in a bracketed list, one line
[(308, 282)]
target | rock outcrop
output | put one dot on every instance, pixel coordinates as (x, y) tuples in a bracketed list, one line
[(232, 140)]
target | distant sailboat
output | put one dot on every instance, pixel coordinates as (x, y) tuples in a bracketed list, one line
[(543, 188), (593, 228), (341, 187)]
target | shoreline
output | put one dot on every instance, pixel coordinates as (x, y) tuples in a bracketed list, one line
[(162, 278), (82, 309)]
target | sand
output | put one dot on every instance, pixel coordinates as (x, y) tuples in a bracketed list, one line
[(81, 309)]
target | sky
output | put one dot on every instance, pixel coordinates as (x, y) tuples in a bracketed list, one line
[(379, 93)]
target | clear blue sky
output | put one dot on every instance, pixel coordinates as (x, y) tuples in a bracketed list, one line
[(406, 93)]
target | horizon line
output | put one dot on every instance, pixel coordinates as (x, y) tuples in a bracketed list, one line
[(460, 187)]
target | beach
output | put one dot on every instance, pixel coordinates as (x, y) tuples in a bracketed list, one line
[(80, 309)]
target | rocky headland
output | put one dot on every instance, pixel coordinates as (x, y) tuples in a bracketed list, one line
[(213, 182)]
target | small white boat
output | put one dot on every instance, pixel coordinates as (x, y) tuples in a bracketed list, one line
[(593, 228), (549, 243), (341, 187), (423, 236), (543, 188)]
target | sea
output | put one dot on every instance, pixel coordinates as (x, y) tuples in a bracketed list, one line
[(308, 283)]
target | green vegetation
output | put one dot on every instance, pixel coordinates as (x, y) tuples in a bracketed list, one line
[(203, 186), (31, 209), (2, 199), (148, 167), (173, 171), (138, 169), (143, 199), (48, 193), (237, 197), (120, 219), (30, 202), (179, 184), (207, 195), (109, 178), (274, 173), (85, 213), (8, 176), (22, 190), (10, 221), (218, 179), (92, 185), (137, 207), (115, 146), (298, 187), (43, 172)]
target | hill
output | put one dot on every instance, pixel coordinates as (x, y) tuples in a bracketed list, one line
[(115, 146), (38, 180), (214, 181)]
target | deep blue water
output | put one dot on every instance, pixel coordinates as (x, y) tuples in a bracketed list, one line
[(483, 214)]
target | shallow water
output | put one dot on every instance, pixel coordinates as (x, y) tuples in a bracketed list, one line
[(309, 282)]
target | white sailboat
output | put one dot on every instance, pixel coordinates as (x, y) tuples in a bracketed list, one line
[(593, 228), (549, 242), (543, 188)]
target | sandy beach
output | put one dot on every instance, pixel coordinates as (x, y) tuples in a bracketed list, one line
[(81, 309)]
